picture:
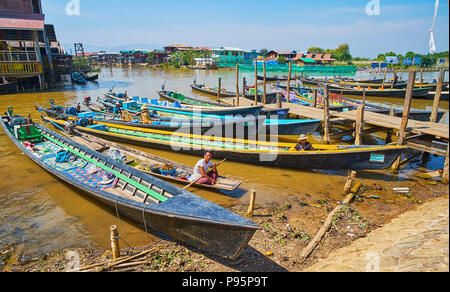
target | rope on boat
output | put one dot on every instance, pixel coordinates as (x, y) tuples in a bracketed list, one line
[(118, 217)]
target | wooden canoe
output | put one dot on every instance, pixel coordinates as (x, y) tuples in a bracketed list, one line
[(331, 157), (136, 195), (143, 161), (270, 97), (387, 92), (172, 96), (198, 111)]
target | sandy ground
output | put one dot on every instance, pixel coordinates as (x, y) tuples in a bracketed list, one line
[(286, 229)]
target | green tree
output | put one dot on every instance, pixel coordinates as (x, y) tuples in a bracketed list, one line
[(263, 52), (151, 58), (316, 50), (342, 53), (281, 60)]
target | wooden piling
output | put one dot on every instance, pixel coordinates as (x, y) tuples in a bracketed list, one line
[(315, 97), (251, 206), (326, 113), (279, 100), (405, 117), (219, 89), (384, 78), (237, 84), (264, 82), (256, 82), (289, 83), (437, 97), (445, 178), (349, 183), (115, 248), (359, 125), (243, 88)]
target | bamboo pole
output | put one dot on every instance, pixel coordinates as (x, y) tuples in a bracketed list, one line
[(243, 88), (326, 105), (264, 82), (219, 89), (437, 97), (309, 249), (114, 233), (256, 82), (251, 206), (237, 84), (289, 83), (405, 117)]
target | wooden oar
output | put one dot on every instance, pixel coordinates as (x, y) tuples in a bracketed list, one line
[(189, 185)]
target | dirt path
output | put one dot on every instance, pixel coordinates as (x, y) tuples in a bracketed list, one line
[(415, 241)]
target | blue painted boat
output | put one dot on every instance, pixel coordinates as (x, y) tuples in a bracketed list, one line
[(133, 194), (78, 78)]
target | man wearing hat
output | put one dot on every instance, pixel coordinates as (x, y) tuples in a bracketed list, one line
[(303, 145)]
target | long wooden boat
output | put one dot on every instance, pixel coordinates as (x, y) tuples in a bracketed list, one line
[(196, 111), (399, 93), (8, 87), (270, 97), (173, 96), (91, 76), (148, 163), (134, 194), (254, 152), (156, 122), (274, 78), (387, 85), (419, 115)]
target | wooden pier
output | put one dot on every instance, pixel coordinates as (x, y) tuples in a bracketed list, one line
[(430, 137)]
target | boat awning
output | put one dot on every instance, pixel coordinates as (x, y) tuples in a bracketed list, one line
[(307, 60)]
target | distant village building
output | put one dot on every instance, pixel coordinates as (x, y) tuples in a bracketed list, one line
[(173, 48), (275, 54), (30, 54), (134, 57), (227, 56), (251, 55), (303, 59)]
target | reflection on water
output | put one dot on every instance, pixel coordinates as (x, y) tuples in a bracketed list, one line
[(42, 213)]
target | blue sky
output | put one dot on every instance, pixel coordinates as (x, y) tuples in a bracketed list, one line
[(253, 24)]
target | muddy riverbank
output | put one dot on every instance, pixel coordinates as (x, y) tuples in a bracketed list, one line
[(287, 228)]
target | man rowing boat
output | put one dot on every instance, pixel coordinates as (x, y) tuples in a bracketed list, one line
[(206, 170)]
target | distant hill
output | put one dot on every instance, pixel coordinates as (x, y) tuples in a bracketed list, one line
[(93, 48)]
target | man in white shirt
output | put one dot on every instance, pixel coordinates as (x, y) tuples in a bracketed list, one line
[(206, 170)]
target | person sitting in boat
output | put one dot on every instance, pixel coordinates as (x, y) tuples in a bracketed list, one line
[(395, 78), (303, 144), (116, 108), (78, 108), (206, 170)]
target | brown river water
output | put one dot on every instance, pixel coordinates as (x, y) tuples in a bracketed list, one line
[(42, 214)]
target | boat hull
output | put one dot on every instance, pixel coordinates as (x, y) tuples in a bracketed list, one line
[(193, 227), (358, 159)]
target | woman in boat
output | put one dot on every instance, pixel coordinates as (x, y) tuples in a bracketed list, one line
[(205, 170), (303, 144)]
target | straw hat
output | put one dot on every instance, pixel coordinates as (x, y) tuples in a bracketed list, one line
[(302, 137)]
